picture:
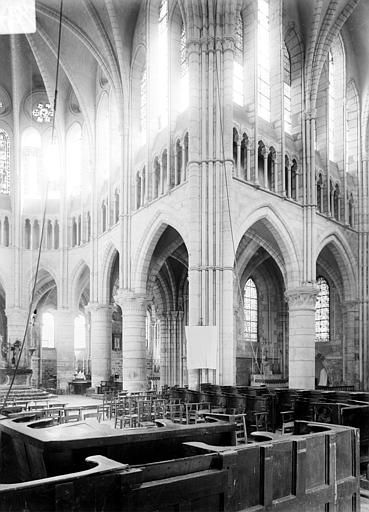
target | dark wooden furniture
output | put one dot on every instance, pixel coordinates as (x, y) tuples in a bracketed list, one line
[(316, 469), (79, 387)]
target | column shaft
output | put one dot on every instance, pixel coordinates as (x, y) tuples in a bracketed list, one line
[(302, 302), (101, 336), (64, 345), (134, 341)]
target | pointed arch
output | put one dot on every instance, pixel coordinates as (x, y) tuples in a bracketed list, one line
[(280, 242), (147, 244), (80, 278), (341, 251), (108, 260), (139, 91)]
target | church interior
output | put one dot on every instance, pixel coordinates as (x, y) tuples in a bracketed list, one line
[(184, 255)]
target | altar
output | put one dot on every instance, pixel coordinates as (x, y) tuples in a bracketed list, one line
[(271, 380), (79, 386)]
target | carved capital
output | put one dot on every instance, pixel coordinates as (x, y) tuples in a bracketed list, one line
[(228, 43), (303, 297), (92, 307), (16, 314), (351, 306), (193, 47), (130, 302)]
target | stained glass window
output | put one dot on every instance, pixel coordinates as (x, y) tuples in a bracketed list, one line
[(322, 309), (4, 162), (31, 162), (331, 104), (238, 63), (263, 60), (74, 159), (183, 51), (287, 90), (163, 63), (250, 305), (43, 113), (183, 97)]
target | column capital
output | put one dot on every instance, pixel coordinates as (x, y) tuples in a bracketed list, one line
[(174, 314), (15, 311), (193, 46), (302, 297), (129, 301), (228, 43), (310, 114), (96, 306), (351, 305), (64, 311)]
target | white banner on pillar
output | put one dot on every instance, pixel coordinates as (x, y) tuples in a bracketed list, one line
[(202, 343)]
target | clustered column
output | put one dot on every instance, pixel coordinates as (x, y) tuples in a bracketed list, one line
[(351, 344)]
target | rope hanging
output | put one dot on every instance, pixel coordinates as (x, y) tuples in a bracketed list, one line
[(31, 307)]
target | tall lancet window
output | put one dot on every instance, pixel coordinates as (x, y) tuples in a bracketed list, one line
[(238, 63), (250, 306), (322, 309), (184, 77), (74, 159), (263, 44), (287, 90), (31, 162), (163, 64), (331, 105), (143, 102), (4, 162)]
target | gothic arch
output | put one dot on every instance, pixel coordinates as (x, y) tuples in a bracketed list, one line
[(331, 30), (155, 269), (280, 241), (44, 269), (108, 260), (46, 291), (147, 244), (80, 278), (344, 259)]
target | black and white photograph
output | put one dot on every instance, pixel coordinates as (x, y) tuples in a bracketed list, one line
[(184, 255)]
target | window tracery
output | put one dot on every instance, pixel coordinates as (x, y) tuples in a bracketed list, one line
[(238, 62), (287, 90), (263, 43), (43, 113), (4, 162), (322, 311), (250, 305), (184, 76)]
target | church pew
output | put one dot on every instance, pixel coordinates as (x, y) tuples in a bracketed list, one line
[(282, 475)]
